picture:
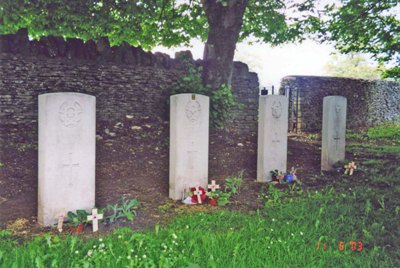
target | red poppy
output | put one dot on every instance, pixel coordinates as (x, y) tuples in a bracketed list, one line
[(203, 194), (212, 202)]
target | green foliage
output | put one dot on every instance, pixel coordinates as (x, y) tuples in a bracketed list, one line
[(389, 132), (222, 101), (367, 26), (80, 217), (291, 228), (233, 184), (393, 73), (232, 187), (385, 131), (137, 22), (223, 198), (23, 147), (140, 23), (314, 136), (125, 208), (352, 65)]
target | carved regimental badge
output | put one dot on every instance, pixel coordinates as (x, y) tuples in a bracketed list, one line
[(70, 113), (277, 109), (193, 110)]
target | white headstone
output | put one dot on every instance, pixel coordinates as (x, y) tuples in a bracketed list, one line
[(272, 135), (333, 131), (188, 166), (67, 130)]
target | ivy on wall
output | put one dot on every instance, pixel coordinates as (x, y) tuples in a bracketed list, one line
[(222, 101)]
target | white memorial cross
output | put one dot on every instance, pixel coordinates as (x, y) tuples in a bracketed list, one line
[(61, 217), (213, 186), (94, 218), (197, 192)]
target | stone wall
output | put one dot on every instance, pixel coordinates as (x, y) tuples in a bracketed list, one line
[(124, 79), (369, 102)]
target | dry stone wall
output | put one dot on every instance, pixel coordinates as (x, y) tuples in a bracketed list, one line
[(369, 102), (124, 79)]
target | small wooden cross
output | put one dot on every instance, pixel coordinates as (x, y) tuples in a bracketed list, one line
[(197, 192), (61, 217), (213, 186), (350, 167), (95, 217)]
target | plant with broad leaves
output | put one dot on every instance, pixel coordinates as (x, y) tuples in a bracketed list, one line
[(125, 208), (78, 218), (233, 185)]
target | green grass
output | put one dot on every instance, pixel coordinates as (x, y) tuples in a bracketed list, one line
[(377, 150), (389, 132), (285, 234), (386, 131)]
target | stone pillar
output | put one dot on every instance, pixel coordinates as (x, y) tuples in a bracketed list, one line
[(333, 131), (272, 135), (188, 154), (67, 131)]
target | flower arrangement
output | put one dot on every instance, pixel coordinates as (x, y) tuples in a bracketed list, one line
[(281, 177), (200, 197), (349, 168)]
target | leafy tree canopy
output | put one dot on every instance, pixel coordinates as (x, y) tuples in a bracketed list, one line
[(368, 26), (149, 22), (352, 65)]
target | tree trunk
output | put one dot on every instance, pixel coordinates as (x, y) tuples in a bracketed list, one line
[(225, 23)]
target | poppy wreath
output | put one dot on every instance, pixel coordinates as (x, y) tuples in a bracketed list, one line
[(203, 194)]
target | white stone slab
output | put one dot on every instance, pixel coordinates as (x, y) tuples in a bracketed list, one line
[(189, 121), (333, 131), (272, 135), (67, 130)]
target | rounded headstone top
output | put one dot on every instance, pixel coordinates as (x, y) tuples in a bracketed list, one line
[(76, 94), (191, 95), (273, 96), (335, 97)]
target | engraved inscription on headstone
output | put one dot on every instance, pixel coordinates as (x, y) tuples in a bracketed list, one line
[(70, 113), (193, 110), (67, 149), (333, 131), (275, 138), (188, 143), (272, 135)]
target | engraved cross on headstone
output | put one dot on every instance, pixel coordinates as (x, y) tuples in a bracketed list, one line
[(70, 164), (336, 138)]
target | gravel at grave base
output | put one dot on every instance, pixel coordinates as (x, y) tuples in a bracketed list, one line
[(134, 163)]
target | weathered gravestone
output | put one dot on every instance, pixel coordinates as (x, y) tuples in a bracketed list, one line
[(67, 142), (272, 135), (188, 166), (333, 131)]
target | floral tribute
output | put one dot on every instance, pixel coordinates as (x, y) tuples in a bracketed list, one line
[(198, 196), (349, 168)]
